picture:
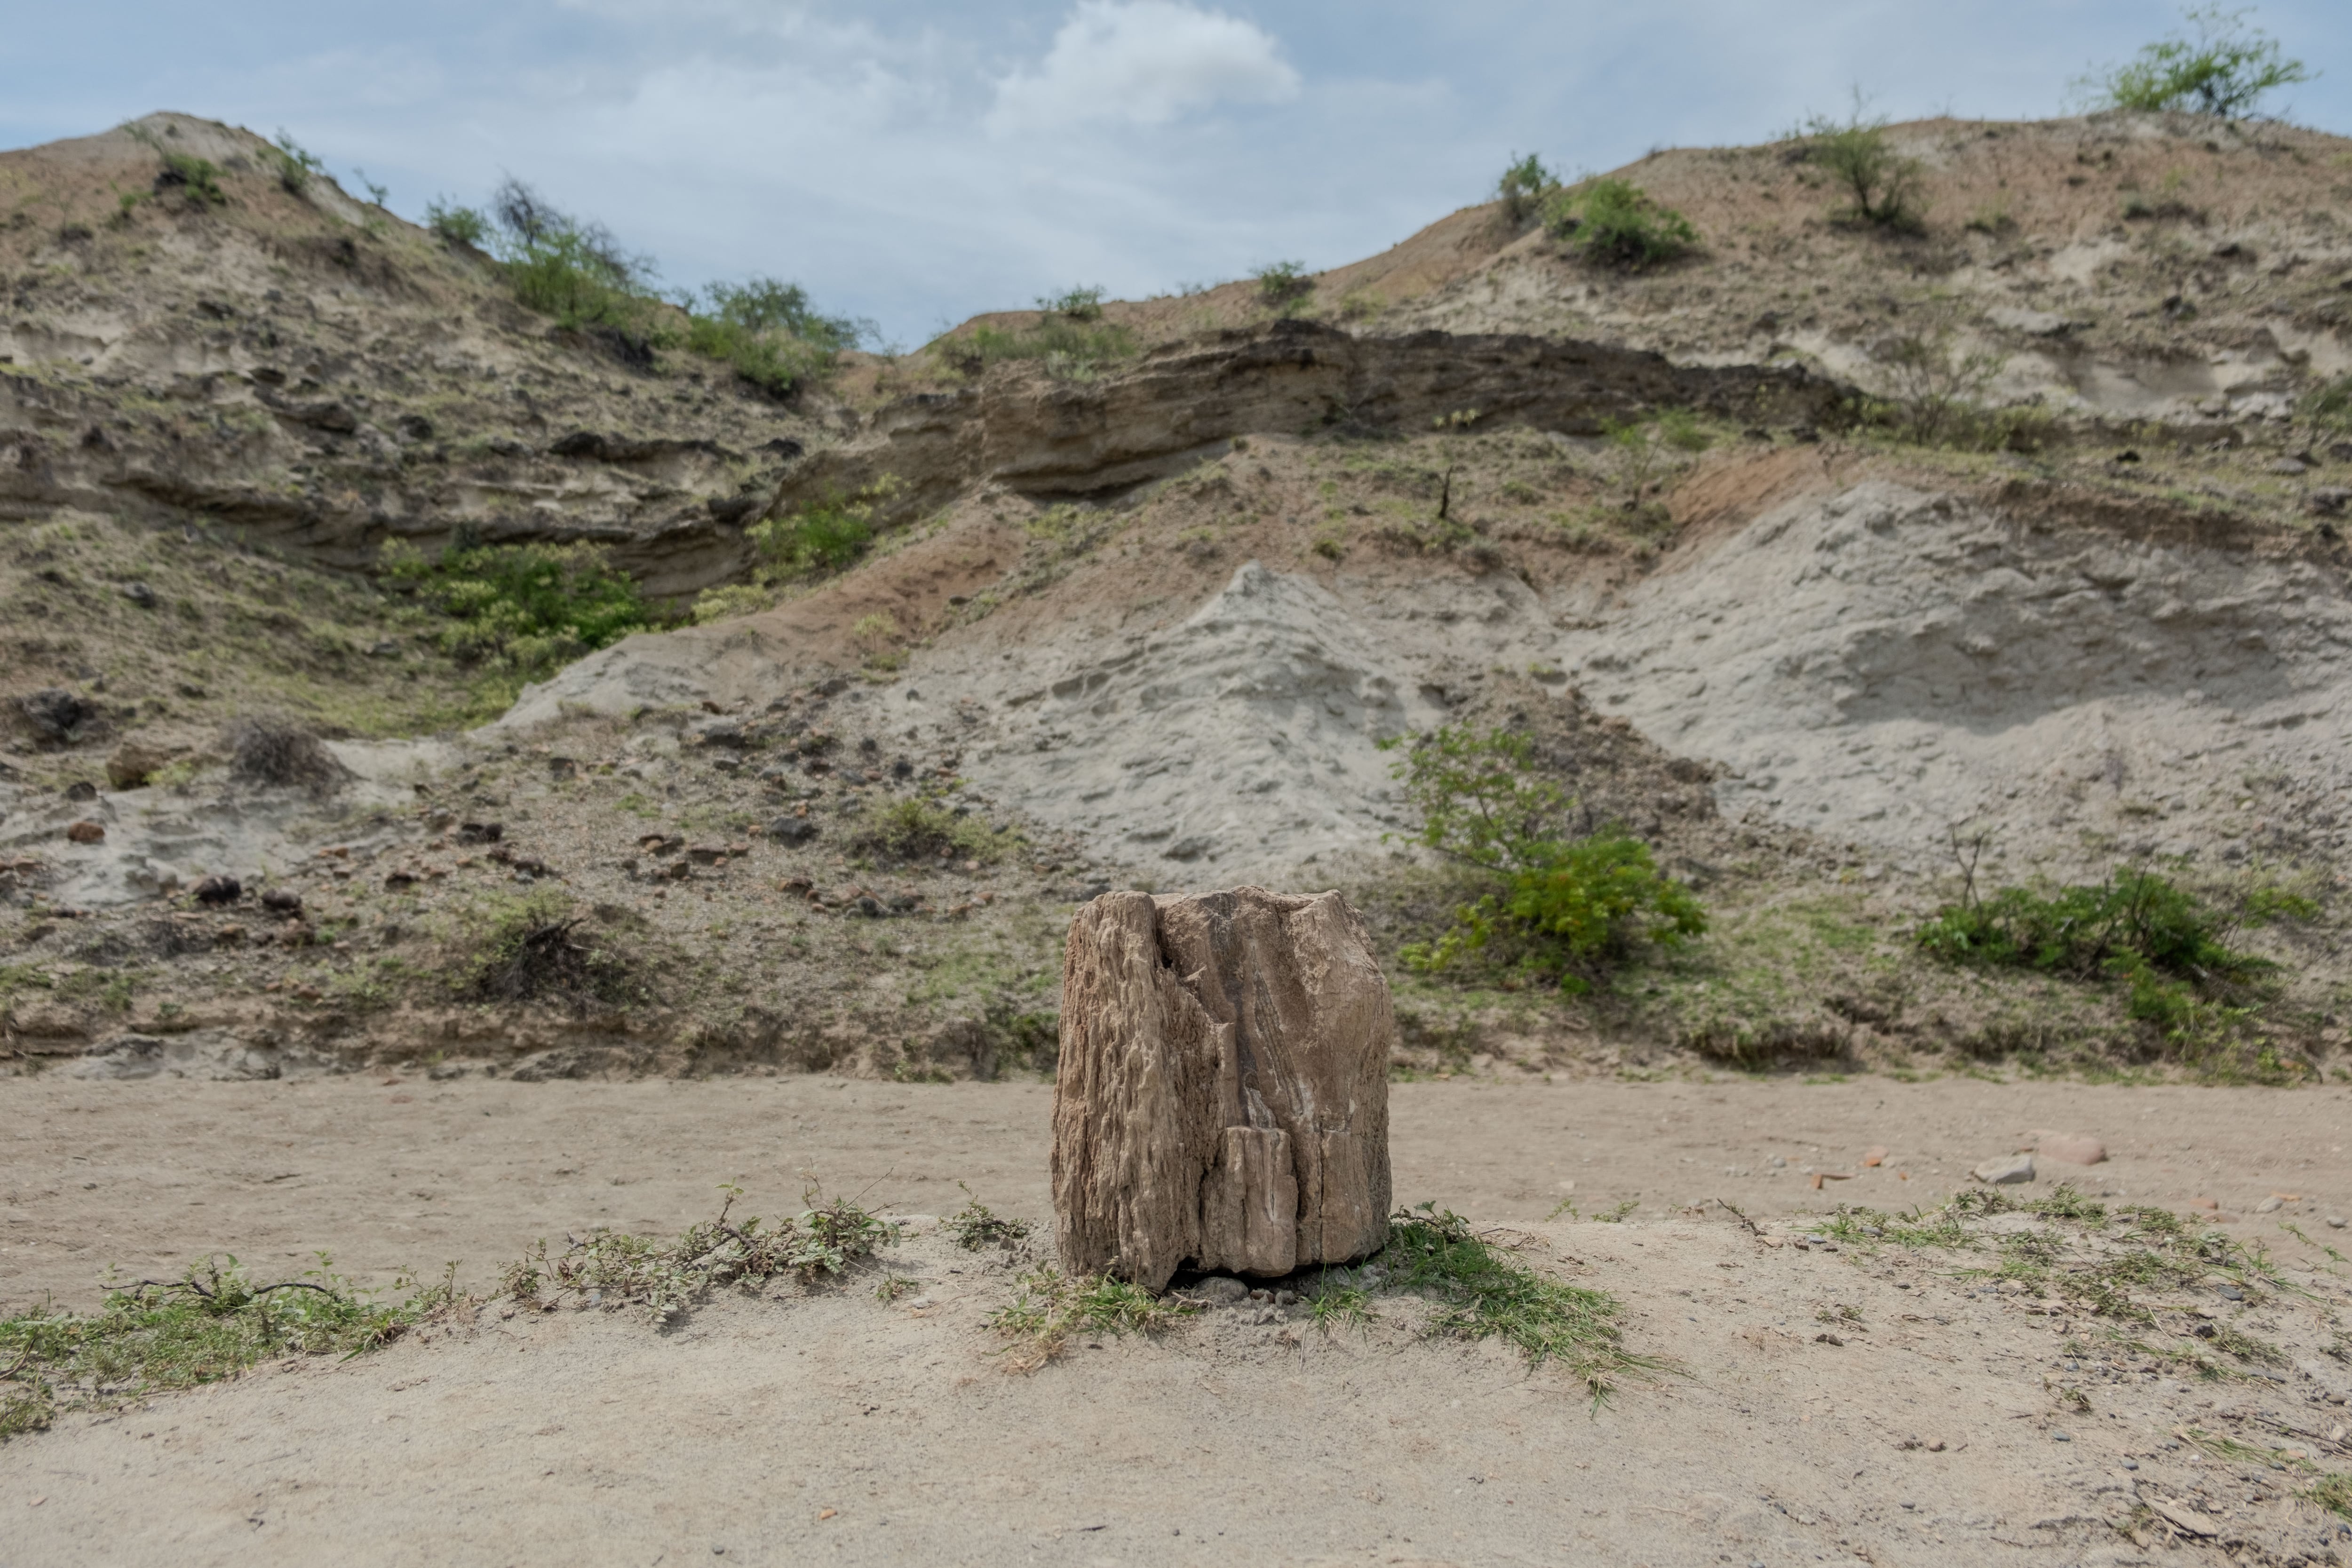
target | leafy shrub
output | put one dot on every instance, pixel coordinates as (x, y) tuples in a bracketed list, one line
[(454, 225), (2226, 70), (522, 608), (1282, 286), (1078, 304), (976, 1225), (2169, 948), (1563, 909), (822, 536), (1617, 222), (1525, 184), (197, 177), (296, 167), (1856, 152), (767, 329)]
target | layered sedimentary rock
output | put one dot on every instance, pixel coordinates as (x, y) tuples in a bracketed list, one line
[(1223, 1098)]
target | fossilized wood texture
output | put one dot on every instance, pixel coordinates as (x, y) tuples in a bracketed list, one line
[(1223, 1099)]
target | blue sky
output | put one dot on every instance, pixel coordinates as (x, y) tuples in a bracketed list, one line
[(914, 162)]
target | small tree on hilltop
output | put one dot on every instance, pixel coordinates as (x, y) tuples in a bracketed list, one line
[(1857, 153), (2225, 70)]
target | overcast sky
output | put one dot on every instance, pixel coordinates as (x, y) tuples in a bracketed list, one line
[(914, 161)]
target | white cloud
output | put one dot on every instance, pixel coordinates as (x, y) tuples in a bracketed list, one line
[(1145, 61)]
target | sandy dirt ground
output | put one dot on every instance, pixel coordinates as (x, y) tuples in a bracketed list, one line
[(830, 1426)]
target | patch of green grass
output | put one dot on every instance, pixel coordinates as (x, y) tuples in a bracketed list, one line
[(976, 1225), (2333, 1493), (1337, 1300), (1481, 1293), (1052, 1306), (212, 1323), (611, 1269)]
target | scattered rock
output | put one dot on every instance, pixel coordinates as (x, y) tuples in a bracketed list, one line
[(282, 900), (2069, 1148), (81, 790), (1222, 1097), (1222, 1290), (480, 832), (215, 891), (2205, 1203), (2006, 1170), (792, 830), (2182, 1517), (1874, 1157), (141, 595), (86, 831), (2270, 1204), (2335, 1222)]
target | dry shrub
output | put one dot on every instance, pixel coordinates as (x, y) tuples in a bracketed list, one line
[(276, 752)]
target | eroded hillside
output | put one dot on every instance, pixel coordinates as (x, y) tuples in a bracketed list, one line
[(1009, 630)]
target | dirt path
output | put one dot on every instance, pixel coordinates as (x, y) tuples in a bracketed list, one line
[(1931, 1423), (410, 1173)]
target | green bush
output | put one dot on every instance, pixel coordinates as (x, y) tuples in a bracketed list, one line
[(1563, 907), (295, 167), (915, 828), (1078, 304), (2226, 70), (767, 329), (197, 176), (1284, 287), (2167, 947), (1522, 189), (1856, 153), (1617, 222), (823, 536), (522, 608), (2332, 405), (454, 225), (530, 948)]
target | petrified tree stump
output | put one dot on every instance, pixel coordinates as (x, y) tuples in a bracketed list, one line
[(1223, 1098)]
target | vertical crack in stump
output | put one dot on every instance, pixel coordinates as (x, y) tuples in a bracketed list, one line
[(1223, 1092)]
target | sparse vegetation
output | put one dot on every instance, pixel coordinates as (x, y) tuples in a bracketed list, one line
[(976, 1225), (1936, 386), (1284, 287), (2167, 947), (1522, 189), (454, 225), (1857, 153), (823, 536), (274, 751), (530, 947), (767, 329), (1617, 222), (919, 828), (211, 1323), (609, 1270), (1051, 1307), (1483, 1294), (1069, 339), (1563, 909), (2227, 69), (296, 167)]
